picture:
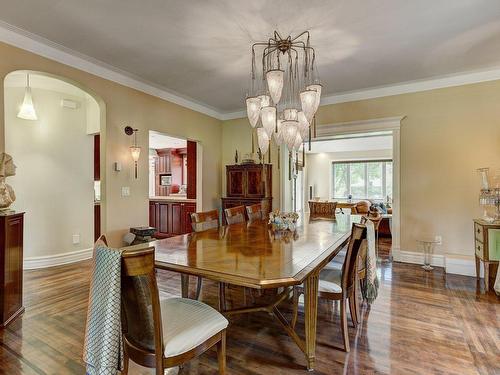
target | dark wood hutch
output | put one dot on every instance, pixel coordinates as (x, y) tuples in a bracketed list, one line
[(248, 184)]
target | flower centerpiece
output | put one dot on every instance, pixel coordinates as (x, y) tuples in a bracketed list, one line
[(283, 220)]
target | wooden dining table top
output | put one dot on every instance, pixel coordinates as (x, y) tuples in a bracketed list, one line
[(250, 254)]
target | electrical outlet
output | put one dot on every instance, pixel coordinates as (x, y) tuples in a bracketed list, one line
[(76, 239), (125, 191), (439, 240)]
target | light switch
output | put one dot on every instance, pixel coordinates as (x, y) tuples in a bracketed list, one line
[(125, 191)]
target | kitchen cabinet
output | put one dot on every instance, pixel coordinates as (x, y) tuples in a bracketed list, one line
[(170, 217)]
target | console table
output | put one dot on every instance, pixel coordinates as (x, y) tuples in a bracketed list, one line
[(487, 249), (11, 266)]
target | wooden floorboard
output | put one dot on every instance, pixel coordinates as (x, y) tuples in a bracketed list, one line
[(421, 323)]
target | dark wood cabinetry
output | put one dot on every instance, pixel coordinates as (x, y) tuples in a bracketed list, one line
[(249, 181), (248, 184), (170, 218), (11, 267)]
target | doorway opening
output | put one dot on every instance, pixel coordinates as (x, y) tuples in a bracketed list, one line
[(57, 152), (174, 183), (348, 163)]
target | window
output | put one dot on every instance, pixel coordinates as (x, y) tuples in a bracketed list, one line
[(362, 179)]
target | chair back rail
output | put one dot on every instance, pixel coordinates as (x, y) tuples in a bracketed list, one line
[(356, 243), (201, 221), (322, 209), (254, 212), (235, 215), (141, 313)]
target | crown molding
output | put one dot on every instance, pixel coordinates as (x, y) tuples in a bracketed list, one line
[(460, 79), (23, 39)]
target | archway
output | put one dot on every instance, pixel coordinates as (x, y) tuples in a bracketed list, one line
[(58, 183)]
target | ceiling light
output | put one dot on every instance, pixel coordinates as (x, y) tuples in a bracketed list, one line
[(27, 110), (288, 66)]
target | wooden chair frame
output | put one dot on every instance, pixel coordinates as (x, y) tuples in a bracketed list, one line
[(141, 263), (348, 284), (234, 211), (255, 212), (198, 218)]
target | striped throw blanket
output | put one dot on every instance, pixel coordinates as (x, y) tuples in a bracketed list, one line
[(370, 287), (103, 350)]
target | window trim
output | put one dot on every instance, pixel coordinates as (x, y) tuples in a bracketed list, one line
[(361, 161)]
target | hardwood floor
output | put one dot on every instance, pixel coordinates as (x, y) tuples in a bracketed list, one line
[(421, 323)]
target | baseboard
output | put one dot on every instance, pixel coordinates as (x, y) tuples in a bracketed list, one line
[(403, 256), (462, 265), (453, 264), (57, 260)]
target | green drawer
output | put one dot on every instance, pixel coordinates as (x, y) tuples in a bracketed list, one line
[(494, 244)]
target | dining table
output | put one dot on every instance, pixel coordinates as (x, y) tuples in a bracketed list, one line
[(253, 255)]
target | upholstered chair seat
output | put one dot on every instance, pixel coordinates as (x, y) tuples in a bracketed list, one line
[(188, 323), (330, 280)]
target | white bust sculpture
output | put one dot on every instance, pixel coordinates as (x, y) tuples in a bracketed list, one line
[(7, 168)]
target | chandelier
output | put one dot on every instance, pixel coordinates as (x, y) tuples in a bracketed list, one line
[(284, 92)]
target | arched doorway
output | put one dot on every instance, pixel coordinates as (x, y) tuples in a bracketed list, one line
[(60, 177)]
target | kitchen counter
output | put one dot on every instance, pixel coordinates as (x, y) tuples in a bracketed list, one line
[(172, 199)]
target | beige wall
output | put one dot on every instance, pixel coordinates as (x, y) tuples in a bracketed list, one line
[(318, 171), (54, 184), (446, 135), (125, 106)]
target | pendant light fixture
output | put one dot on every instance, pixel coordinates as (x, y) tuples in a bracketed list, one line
[(285, 90), (27, 109)]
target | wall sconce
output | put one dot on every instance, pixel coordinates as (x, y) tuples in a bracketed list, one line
[(135, 150)]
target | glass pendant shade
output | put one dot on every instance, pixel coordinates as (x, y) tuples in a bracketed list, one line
[(303, 124), (265, 100), (290, 114), (135, 151), (316, 87), (298, 142), (253, 110), (308, 101), (263, 140), (268, 118), (278, 136), (274, 80), (27, 110), (289, 133)]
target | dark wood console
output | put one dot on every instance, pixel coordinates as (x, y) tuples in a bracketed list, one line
[(11, 266)]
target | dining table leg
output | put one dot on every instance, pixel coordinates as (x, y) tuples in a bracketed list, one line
[(311, 317)]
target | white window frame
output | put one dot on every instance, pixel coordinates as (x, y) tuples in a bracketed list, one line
[(364, 162)]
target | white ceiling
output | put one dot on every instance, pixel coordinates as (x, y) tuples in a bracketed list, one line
[(351, 144), (200, 49), (159, 141)]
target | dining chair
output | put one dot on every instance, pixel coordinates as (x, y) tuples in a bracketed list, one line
[(255, 212), (235, 215), (363, 207), (338, 284), (322, 209), (167, 333), (200, 222)]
